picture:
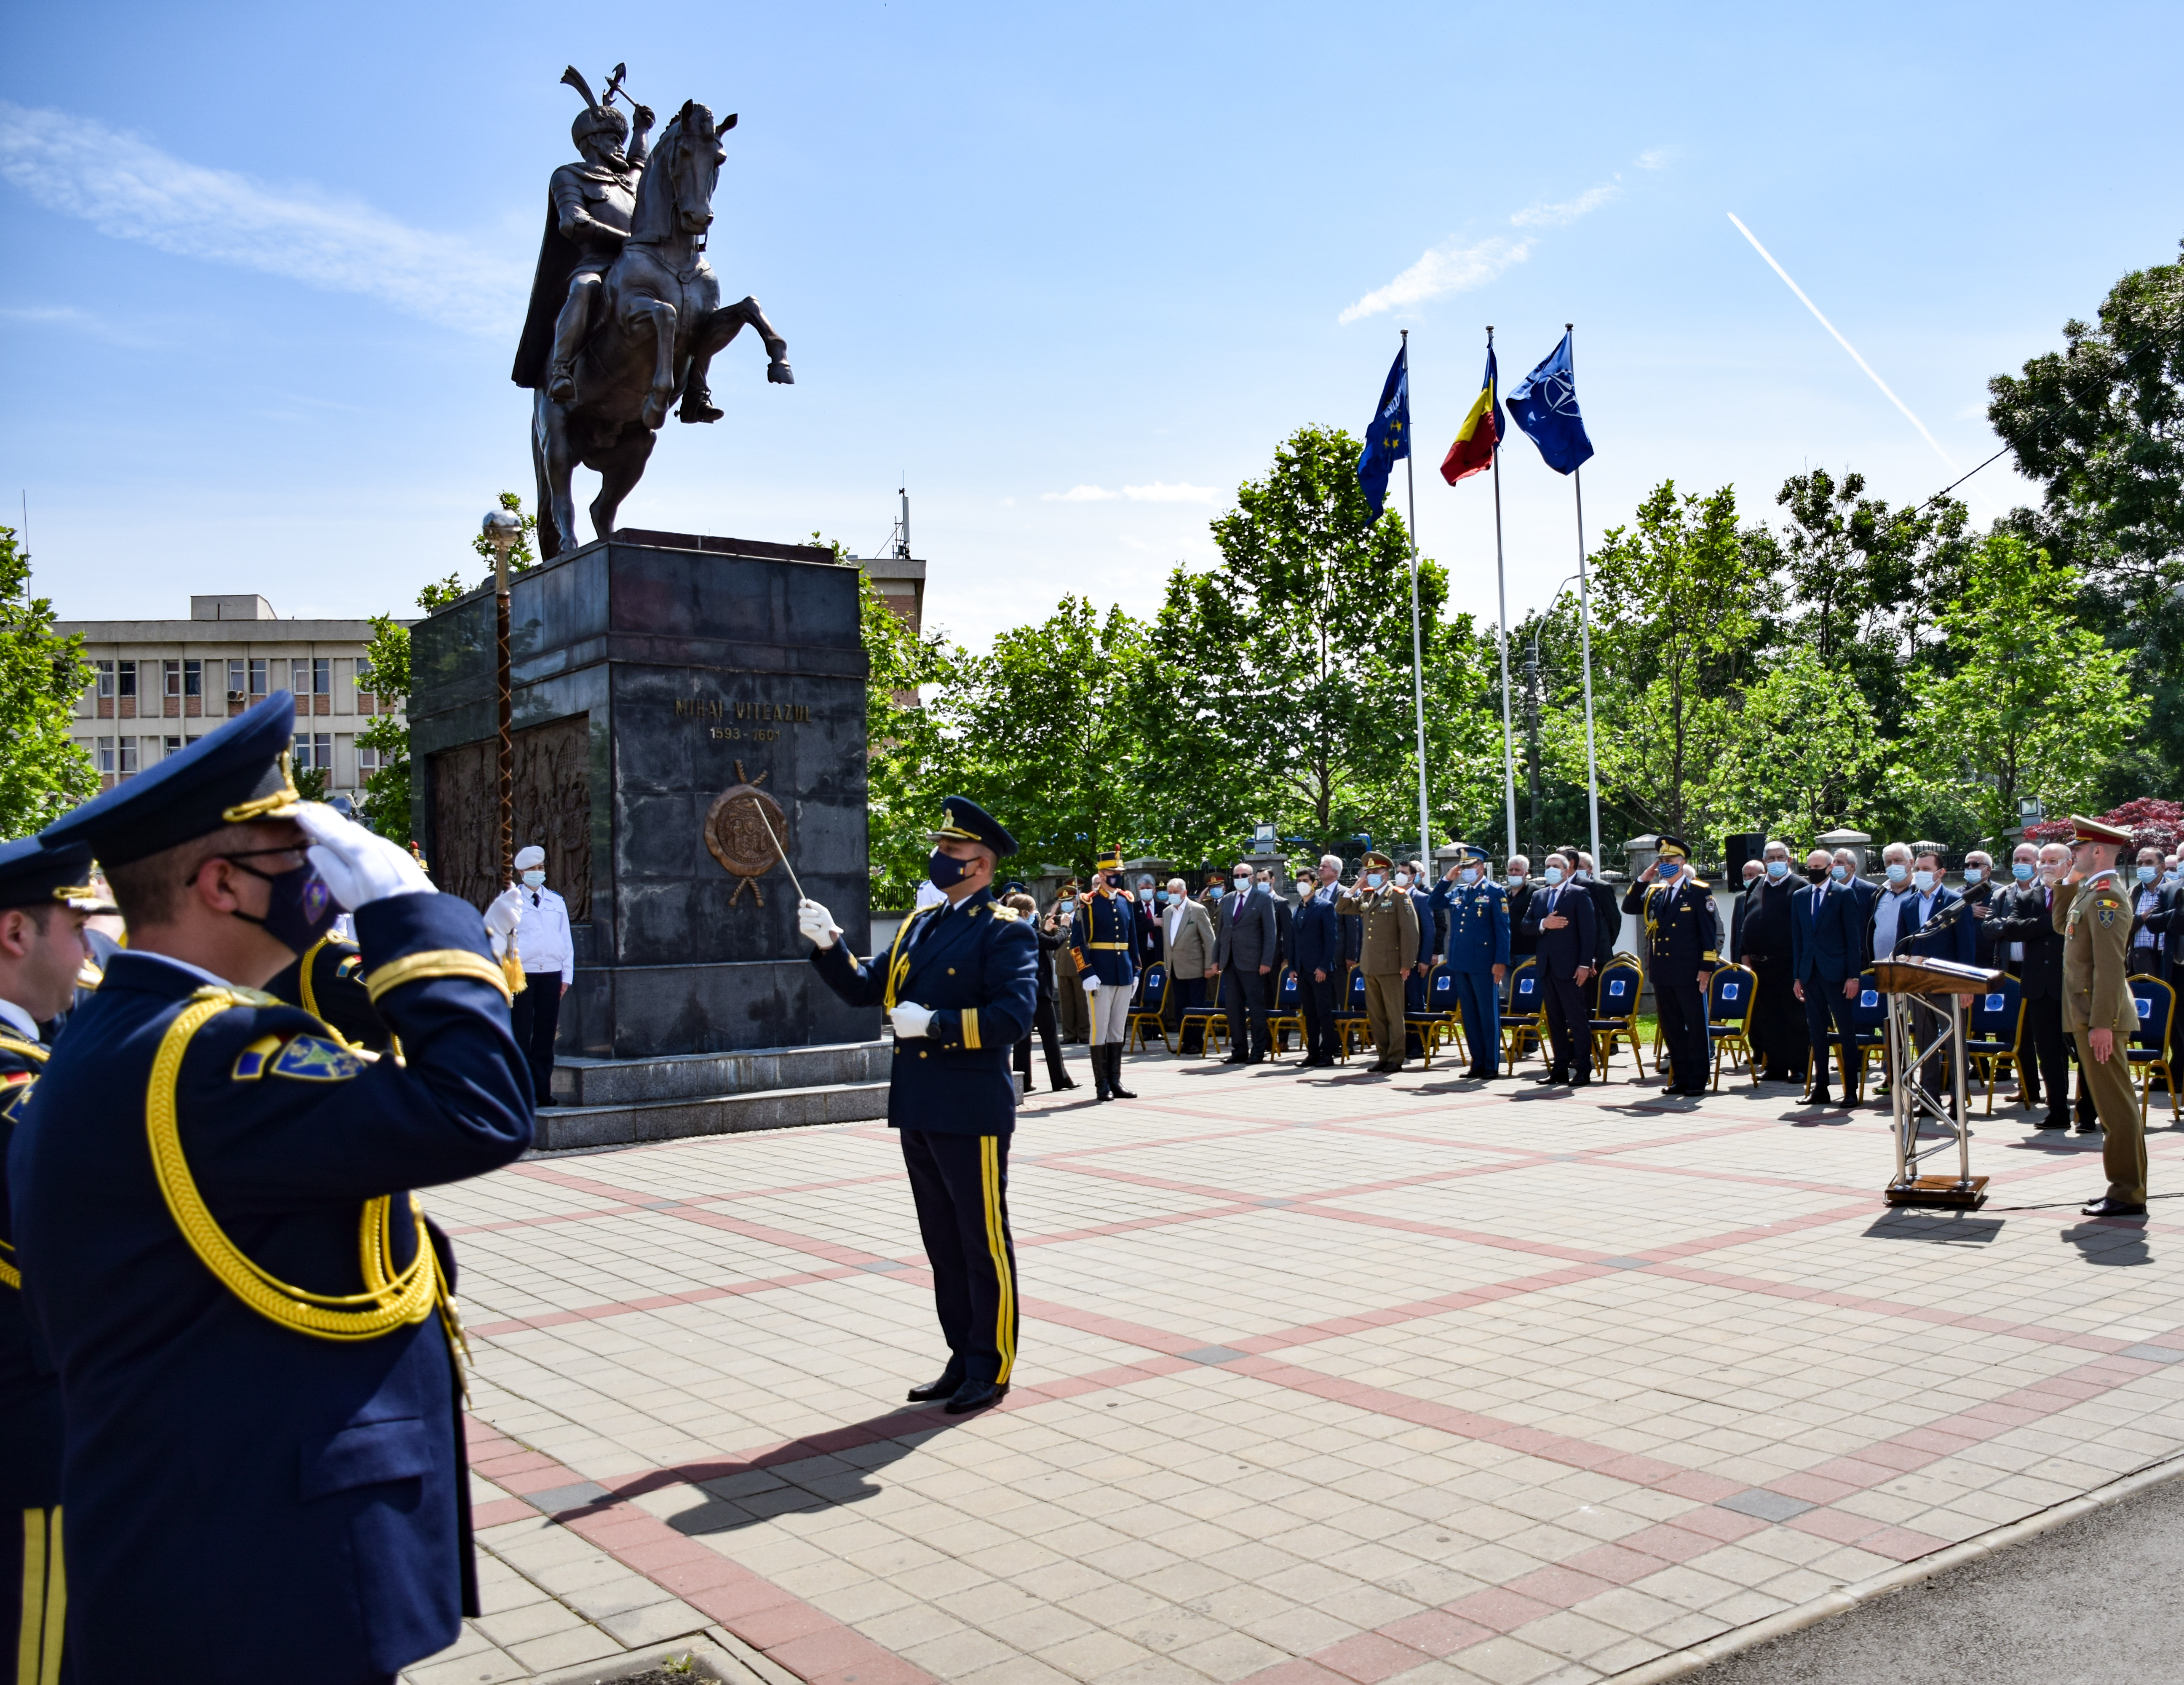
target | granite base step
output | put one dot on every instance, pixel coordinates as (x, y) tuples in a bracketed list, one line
[(560, 1128)]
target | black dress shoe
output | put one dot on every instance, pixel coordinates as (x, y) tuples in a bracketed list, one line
[(2091, 1127), (976, 1395), (1237, 1059), (2054, 1121), (1550, 1080), (951, 1380), (1819, 1097), (2112, 1207)]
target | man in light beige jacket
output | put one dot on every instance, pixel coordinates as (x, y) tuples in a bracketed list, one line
[(1189, 942)]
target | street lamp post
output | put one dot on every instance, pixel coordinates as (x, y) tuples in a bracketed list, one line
[(502, 528)]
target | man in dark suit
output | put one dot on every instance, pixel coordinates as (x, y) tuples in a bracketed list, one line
[(1980, 891), (1827, 952), (1769, 911), (2022, 919), (1247, 947), (1519, 887), (1317, 935), (1284, 936), (1923, 925), (1739, 910), (1562, 916), (1607, 911)]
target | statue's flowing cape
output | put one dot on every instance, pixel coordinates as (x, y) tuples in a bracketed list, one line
[(550, 289)]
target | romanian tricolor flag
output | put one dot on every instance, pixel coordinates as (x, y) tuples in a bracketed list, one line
[(1473, 453)]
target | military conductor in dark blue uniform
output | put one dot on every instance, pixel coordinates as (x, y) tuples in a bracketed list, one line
[(264, 1475), (958, 985), (1683, 947)]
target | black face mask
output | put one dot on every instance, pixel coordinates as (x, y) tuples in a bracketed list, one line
[(1818, 877), (945, 870), (301, 908)]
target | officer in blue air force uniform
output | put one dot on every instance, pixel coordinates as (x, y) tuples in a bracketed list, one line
[(1683, 944), (1106, 937), (958, 983), (1478, 954), (45, 896), (263, 1474)]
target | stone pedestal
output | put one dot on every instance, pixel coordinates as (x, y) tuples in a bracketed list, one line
[(673, 695)]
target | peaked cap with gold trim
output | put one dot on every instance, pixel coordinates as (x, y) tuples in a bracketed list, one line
[(962, 820), (33, 875), (2083, 829), (227, 777)]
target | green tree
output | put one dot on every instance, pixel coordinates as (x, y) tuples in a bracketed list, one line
[(906, 750), (1046, 731), (1279, 686), (1680, 601), (386, 675), (1802, 751), (2037, 704), (44, 774)]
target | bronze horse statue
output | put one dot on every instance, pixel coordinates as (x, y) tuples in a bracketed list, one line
[(654, 325)]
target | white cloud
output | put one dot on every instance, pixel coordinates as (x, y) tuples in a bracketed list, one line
[(1561, 215), (1657, 157), (1446, 268), (1160, 492), (80, 321), (124, 187)]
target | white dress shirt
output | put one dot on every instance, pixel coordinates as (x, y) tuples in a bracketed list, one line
[(13, 1017), (1175, 917), (542, 936)]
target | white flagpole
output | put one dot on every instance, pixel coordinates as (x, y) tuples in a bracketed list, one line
[(1585, 625), (1418, 658), (1502, 588)]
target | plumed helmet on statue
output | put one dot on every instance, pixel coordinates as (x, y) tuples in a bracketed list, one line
[(596, 118)]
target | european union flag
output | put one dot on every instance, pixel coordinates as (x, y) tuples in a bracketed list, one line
[(1387, 440), (1544, 404)]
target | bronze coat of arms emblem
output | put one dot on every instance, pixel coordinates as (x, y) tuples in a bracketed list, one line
[(747, 831)]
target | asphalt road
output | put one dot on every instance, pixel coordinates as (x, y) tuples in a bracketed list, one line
[(2094, 1603)]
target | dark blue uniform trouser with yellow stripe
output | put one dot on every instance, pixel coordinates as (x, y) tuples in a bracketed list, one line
[(30, 1570), (960, 1183)]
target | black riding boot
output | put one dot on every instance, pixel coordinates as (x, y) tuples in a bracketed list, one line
[(1115, 1072)]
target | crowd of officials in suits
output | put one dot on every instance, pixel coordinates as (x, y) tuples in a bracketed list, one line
[(1807, 927)]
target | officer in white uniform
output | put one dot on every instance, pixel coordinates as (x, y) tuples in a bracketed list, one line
[(548, 954)]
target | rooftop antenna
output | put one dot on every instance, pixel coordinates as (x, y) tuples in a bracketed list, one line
[(902, 533)]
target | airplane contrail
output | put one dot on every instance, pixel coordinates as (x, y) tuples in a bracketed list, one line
[(1839, 340)]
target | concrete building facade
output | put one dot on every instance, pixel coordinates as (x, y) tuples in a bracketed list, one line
[(159, 684)]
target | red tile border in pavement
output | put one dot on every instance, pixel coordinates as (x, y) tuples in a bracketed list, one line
[(809, 1642)]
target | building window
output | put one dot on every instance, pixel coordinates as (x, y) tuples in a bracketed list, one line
[(173, 674), (105, 681), (311, 677), (127, 676), (322, 677), (367, 761), (314, 752), (258, 678), (193, 679), (235, 680), (106, 755), (128, 758), (173, 745)]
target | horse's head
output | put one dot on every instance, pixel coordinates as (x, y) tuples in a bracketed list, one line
[(694, 166)]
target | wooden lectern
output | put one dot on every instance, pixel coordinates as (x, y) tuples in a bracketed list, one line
[(1911, 1103)]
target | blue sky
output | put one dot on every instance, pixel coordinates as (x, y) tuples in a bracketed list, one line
[(268, 263)]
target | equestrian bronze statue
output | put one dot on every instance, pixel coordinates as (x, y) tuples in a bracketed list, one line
[(626, 313)]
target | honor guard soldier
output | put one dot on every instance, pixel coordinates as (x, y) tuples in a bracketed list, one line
[(2093, 915), (1106, 937), (1683, 946), (1478, 954), (45, 896), (957, 984), (1388, 948), (220, 1255)]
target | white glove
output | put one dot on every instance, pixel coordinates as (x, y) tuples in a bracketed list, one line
[(816, 924), (501, 918), (1091, 986), (357, 866), (911, 1020)]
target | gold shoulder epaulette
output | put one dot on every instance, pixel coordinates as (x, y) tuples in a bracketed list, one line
[(1007, 915), (237, 995)]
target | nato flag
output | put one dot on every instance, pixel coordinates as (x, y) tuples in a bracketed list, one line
[(1544, 404), (1387, 440)]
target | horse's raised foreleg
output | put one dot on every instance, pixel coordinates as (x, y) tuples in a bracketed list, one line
[(555, 463), (621, 468), (724, 323), (661, 314)]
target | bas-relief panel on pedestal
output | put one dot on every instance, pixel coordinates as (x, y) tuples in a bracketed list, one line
[(551, 806)]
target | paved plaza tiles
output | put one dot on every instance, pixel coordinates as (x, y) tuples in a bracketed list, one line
[(1325, 1379)]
